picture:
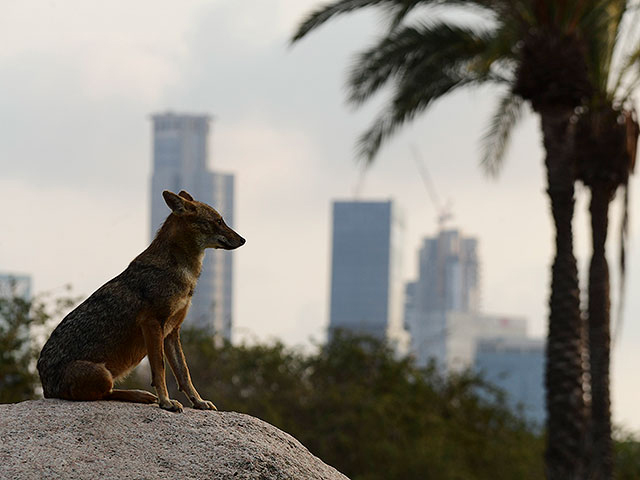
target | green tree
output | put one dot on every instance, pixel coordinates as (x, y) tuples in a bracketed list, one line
[(369, 414), (374, 416), (627, 457), (390, 419), (19, 347), (548, 53)]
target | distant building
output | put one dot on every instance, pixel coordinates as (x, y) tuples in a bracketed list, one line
[(516, 365), (15, 285), (180, 153), (442, 314), (448, 274), (443, 303), (366, 277), (450, 339)]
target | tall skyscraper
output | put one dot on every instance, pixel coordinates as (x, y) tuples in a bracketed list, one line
[(448, 274), (366, 283), (442, 307), (180, 153)]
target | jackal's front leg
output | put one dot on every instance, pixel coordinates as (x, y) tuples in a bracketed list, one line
[(153, 339), (178, 364)]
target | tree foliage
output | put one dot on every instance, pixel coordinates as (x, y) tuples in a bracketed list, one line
[(627, 457), (352, 402), (20, 318), (369, 414)]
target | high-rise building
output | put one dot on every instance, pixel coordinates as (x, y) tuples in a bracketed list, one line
[(366, 271), (442, 305), (180, 154), (516, 365), (451, 338), (442, 313), (448, 274)]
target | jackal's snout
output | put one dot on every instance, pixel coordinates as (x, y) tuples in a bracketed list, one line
[(230, 240)]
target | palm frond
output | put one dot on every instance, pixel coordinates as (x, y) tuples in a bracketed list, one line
[(440, 45), (412, 96), (495, 140), (601, 25), (400, 11), (423, 62), (421, 47), (627, 73), (397, 11), (329, 11)]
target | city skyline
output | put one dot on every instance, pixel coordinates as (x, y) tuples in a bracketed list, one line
[(76, 161)]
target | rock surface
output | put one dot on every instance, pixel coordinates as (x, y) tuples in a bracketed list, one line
[(78, 440)]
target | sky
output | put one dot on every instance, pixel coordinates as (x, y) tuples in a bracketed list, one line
[(80, 79)]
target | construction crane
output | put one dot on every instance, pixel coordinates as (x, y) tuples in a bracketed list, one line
[(444, 211)]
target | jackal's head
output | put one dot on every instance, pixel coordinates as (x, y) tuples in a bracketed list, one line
[(202, 221)]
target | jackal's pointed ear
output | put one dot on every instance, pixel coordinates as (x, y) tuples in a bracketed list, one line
[(185, 194), (176, 203)]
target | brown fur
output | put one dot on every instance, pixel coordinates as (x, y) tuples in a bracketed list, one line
[(138, 313)]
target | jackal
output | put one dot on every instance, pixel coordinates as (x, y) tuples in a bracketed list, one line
[(138, 313)]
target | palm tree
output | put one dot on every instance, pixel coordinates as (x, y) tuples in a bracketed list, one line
[(605, 156), (538, 51)]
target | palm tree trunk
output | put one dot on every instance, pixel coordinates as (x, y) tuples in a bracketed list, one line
[(566, 414), (601, 455)]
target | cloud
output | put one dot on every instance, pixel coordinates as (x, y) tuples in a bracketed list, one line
[(61, 235)]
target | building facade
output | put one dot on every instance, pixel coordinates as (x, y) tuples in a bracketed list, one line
[(366, 271), (180, 157), (447, 326), (448, 277), (442, 305), (516, 365), (450, 339)]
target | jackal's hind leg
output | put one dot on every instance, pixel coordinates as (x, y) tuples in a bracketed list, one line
[(84, 380), (93, 381)]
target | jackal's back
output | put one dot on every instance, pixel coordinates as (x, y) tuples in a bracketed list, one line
[(104, 328)]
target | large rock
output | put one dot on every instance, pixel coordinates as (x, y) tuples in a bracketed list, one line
[(113, 440)]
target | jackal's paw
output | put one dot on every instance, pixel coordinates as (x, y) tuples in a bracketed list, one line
[(171, 405), (203, 405), (145, 397)]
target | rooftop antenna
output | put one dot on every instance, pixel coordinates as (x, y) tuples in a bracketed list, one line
[(444, 211)]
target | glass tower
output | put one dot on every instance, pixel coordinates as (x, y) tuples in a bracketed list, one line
[(366, 283)]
